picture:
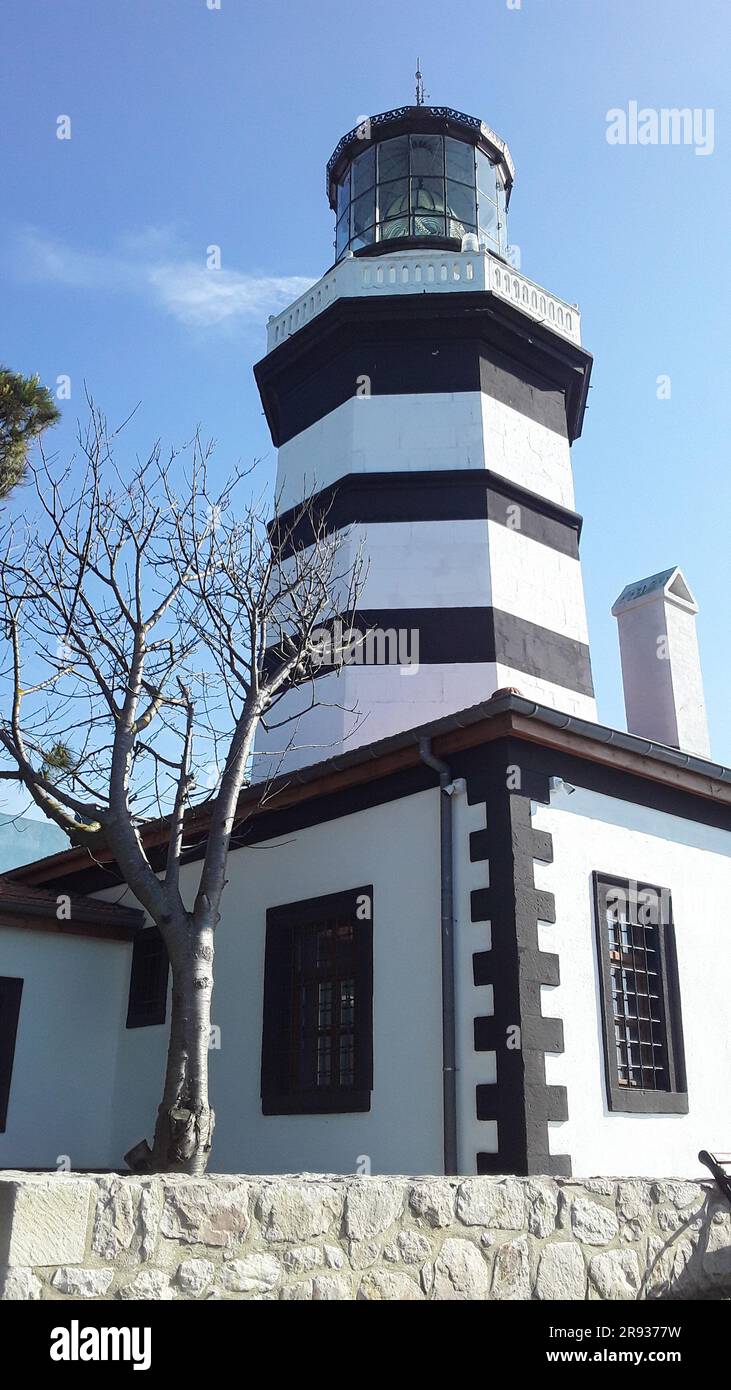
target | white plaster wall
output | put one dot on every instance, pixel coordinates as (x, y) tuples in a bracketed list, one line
[(72, 1013), (379, 434), (661, 674), (422, 564), (537, 583), (646, 679), (415, 432), (475, 563), (527, 452), (592, 832), (396, 848), (687, 680), (362, 704)]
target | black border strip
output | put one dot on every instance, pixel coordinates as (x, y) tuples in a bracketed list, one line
[(539, 763), (423, 343), (469, 494), (448, 636)]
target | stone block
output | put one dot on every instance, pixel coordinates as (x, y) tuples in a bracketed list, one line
[(201, 1212), (19, 1285), (460, 1271), (47, 1220), (298, 1212), (82, 1283), (511, 1271), (372, 1205), (561, 1272), (194, 1276), (386, 1286), (615, 1274), (592, 1223), (499, 1203)]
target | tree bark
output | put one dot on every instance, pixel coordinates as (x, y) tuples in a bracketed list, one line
[(185, 1121)]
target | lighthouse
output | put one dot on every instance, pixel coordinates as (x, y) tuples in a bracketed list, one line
[(423, 397)]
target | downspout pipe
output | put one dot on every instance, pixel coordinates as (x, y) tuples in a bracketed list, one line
[(449, 1031)]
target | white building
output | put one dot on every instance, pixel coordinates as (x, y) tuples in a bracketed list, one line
[(487, 934)]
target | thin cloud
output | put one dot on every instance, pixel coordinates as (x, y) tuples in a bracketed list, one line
[(151, 264)]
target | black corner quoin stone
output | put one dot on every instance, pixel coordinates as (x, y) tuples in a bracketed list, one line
[(521, 1102)]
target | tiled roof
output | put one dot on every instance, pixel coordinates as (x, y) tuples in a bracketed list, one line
[(24, 905)]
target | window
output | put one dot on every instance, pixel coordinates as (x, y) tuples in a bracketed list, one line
[(643, 1040), (10, 992), (317, 1042), (148, 985)]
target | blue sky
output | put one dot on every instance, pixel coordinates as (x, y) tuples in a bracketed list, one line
[(193, 126)]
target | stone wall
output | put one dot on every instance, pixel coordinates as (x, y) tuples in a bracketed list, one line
[(79, 1236)]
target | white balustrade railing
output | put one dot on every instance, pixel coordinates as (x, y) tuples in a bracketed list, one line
[(413, 272)]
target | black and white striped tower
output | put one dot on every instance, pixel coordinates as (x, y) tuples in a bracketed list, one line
[(429, 394)]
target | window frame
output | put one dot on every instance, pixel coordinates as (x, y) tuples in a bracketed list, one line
[(635, 1099), (12, 986), (140, 1015), (282, 922)]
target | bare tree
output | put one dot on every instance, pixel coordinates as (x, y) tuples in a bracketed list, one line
[(152, 625)]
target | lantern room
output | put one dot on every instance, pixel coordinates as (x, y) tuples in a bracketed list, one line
[(419, 176)]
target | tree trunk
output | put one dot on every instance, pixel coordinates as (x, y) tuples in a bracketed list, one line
[(184, 1129)]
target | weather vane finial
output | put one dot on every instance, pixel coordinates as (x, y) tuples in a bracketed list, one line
[(419, 84)]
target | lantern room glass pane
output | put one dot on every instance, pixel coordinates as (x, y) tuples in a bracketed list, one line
[(363, 212), (341, 235), (427, 194), (364, 239), (428, 226), (486, 177), (461, 202), (460, 161), (364, 172), (488, 218), (343, 194), (502, 211), (393, 199), (393, 159), (397, 227), (459, 229), (427, 154)]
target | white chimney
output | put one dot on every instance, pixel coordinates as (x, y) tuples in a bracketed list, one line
[(661, 669)]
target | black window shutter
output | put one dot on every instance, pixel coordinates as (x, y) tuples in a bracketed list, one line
[(277, 1009), (148, 984), (10, 992), (364, 997)]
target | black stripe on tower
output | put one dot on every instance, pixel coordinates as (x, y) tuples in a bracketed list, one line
[(521, 1101), (469, 494), (423, 343), (451, 636)]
